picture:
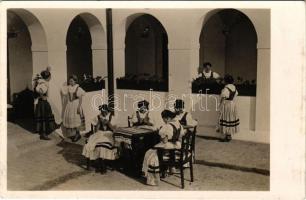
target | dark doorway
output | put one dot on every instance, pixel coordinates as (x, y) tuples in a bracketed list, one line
[(229, 41), (146, 50), (19, 56), (19, 72), (79, 53)]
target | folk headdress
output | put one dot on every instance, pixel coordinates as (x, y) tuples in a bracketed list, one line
[(168, 114), (45, 74), (144, 104), (104, 107), (179, 103)]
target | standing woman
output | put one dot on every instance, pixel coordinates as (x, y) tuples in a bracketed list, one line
[(44, 118), (74, 120), (229, 120)]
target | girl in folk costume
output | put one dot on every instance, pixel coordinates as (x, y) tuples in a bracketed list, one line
[(229, 120), (142, 116), (103, 137), (171, 134), (73, 119), (182, 116), (44, 118)]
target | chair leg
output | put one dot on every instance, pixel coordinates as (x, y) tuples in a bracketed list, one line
[(182, 177), (162, 172), (191, 171), (88, 164)]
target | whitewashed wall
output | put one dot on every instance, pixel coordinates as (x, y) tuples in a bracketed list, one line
[(183, 28), (55, 23)]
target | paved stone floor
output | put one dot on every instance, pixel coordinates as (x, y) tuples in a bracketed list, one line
[(56, 165)]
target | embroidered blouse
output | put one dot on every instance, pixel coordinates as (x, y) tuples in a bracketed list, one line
[(229, 92), (186, 119)]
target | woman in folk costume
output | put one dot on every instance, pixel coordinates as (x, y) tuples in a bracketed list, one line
[(171, 134), (206, 72), (182, 116), (62, 132), (103, 137), (142, 116), (229, 120), (74, 120), (44, 118)]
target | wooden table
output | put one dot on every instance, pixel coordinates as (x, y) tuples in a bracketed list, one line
[(134, 142)]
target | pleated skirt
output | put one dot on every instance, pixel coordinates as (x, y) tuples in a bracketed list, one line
[(100, 145), (229, 119), (72, 119), (44, 118)]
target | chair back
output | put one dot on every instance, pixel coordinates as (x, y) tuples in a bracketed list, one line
[(188, 142), (129, 121)]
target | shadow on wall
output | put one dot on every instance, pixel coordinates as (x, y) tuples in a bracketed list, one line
[(204, 109), (22, 110), (206, 112)]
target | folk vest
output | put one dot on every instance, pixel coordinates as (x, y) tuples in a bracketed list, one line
[(176, 134), (231, 95)]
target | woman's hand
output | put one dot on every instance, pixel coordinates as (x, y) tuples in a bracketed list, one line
[(165, 139), (147, 121), (79, 110), (105, 121)]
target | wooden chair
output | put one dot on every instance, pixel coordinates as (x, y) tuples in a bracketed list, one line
[(178, 157), (92, 131), (194, 131), (193, 142)]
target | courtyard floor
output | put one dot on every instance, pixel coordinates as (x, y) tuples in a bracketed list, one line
[(58, 165)]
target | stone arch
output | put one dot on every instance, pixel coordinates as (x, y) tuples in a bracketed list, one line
[(27, 55), (98, 46), (236, 31), (228, 39), (37, 32), (146, 47), (96, 29)]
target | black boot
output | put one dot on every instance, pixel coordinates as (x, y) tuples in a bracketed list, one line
[(44, 137), (228, 137), (57, 126), (225, 139), (110, 165), (103, 168), (87, 135), (76, 138)]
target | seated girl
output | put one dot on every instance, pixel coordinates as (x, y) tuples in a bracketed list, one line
[(142, 115), (171, 134), (182, 116), (100, 144)]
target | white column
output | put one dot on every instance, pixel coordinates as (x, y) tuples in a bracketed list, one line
[(262, 120), (40, 61), (99, 64), (194, 61), (119, 64), (57, 61), (39, 58), (179, 74)]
